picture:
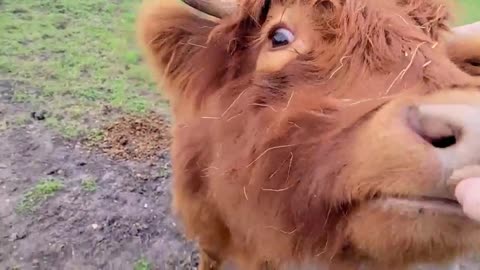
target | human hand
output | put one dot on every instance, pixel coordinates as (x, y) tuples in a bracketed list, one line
[(466, 185)]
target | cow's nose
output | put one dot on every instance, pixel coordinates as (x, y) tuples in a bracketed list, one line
[(453, 129), (436, 128)]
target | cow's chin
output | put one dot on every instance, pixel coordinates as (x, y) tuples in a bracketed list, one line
[(412, 230)]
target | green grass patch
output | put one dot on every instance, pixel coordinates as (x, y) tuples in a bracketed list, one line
[(15, 120), (22, 119), (142, 264), (3, 125), (42, 191), (89, 185), (80, 53), (69, 129), (95, 136), (469, 11)]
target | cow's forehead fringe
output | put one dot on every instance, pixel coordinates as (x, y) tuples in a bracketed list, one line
[(376, 31), (255, 8), (428, 11)]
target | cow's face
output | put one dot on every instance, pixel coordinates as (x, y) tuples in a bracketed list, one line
[(322, 121)]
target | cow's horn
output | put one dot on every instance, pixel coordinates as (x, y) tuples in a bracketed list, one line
[(215, 8)]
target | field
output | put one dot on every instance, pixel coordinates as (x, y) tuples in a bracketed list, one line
[(469, 11), (84, 162)]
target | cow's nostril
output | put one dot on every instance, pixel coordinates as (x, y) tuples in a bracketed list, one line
[(473, 62), (437, 131), (442, 142)]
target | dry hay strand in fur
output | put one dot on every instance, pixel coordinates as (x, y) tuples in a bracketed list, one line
[(405, 70)]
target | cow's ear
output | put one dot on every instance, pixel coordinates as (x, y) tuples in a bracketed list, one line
[(174, 41), (463, 46)]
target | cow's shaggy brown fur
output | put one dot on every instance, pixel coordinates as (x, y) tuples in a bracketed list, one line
[(283, 156)]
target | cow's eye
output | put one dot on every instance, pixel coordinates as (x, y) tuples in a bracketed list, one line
[(281, 37)]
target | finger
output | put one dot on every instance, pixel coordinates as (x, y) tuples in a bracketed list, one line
[(467, 193)]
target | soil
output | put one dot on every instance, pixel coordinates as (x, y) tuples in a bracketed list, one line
[(127, 217), (137, 138)]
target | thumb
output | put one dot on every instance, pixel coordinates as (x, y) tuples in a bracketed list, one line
[(467, 193)]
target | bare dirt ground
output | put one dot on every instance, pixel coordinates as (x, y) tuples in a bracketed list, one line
[(126, 218)]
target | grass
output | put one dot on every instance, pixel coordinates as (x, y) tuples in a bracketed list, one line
[(142, 264), (73, 58), (13, 120), (3, 125), (469, 11), (95, 136), (22, 119), (42, 191), (89, 185)]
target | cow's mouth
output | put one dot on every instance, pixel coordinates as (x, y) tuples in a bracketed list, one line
[(420, 205)]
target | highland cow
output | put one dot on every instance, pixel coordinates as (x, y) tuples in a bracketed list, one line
[(318, 132)]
